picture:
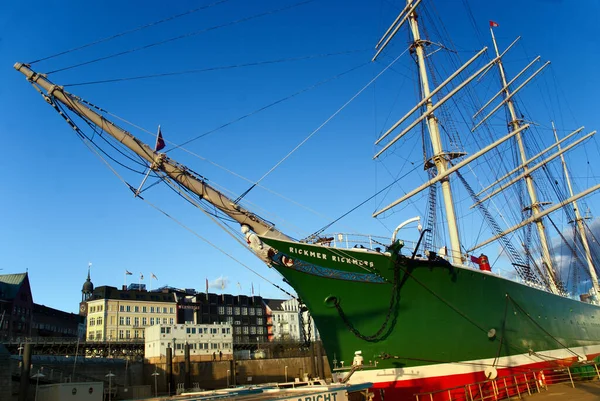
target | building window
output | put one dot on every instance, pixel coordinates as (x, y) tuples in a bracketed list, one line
[(136, 334), (136, 309), (152, 309), (127, 308), (214, 346), (121, 334), (144, 321), (229, 310), (193, 330), (99, 321), (171, 321), (151, 321), (171, 310), (252, 330), (164, 309), (259, 320), (121, 320), (237, 330), (136, 321), (122, 308), (164, 320), (127, 334), (252, 311), (245, 311), (245, 330), (259, 312), (92, 322), (221, 310), (144, 309), (230, 319), (236, 310), (127, 321)]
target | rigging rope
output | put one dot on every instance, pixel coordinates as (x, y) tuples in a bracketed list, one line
[(322, 125), (139, 28), (226, 67), (187, 35)]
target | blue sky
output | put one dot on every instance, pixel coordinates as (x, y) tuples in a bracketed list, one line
[(62, 208)]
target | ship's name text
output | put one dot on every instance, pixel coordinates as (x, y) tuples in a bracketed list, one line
[(334, 258), (317, 397)]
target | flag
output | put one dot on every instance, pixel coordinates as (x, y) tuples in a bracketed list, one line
[(160, 142), (493, 24), (474, 259), (153, 276), (128, 273), (141, 276)]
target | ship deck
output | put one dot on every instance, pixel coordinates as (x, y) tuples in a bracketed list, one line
[(565, 392)]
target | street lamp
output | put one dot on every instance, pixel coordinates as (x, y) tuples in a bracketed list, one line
[(110, 375), (37, 381), (155, 374)]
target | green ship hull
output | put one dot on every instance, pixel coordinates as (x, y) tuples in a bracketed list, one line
[(426, 316)]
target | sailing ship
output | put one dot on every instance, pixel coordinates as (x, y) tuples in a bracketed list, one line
[(414, 316)]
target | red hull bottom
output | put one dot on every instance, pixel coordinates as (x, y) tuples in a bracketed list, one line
[(511, 381)]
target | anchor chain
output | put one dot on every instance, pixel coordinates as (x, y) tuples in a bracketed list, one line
[(393, 305), (304, 333)]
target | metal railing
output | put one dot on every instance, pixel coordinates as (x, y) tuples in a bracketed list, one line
[(516, 385)]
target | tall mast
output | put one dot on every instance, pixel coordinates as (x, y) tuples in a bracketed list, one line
[(515, 123), (580, 225), (440, 158), (158, 161)]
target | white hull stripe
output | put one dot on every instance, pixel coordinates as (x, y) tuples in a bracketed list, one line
[(462, 367)]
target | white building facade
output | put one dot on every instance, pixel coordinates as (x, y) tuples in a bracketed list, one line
[(287, 321), (207, 341)]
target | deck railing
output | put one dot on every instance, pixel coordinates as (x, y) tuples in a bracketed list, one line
[(516, 385)]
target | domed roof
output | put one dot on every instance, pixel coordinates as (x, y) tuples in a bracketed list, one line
[(88, 287)]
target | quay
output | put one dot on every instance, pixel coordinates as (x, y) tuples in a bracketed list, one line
[(566, 392)]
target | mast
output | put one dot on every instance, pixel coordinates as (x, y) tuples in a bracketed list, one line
[(579, 221), (158, 161), (440, 158), (515, 123)]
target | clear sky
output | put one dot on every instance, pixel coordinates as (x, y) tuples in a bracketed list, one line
[(62, 208)]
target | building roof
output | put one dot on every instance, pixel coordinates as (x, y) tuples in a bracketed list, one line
[(108, 292), (275, 304), (10, 285)]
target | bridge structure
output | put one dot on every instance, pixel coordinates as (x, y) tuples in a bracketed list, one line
[(69, 346), (132, 349)]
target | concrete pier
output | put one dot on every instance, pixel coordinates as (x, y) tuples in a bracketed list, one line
[(565, 392)]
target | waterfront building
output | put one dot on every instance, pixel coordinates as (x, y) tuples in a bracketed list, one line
[(246, 314), (207, 342), (16, 305), (117, 315), (286, 322), (50, 322)]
